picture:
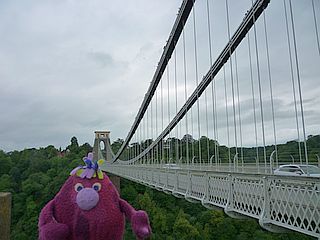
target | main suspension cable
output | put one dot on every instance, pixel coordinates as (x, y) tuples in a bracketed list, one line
[(315, 25)]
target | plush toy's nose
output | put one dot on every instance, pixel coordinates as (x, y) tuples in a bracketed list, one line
[(87, 198)]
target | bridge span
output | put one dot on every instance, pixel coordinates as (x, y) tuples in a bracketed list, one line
[(277, 202), (235, 94)]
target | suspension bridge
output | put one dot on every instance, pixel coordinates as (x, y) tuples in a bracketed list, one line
[(235, 82)]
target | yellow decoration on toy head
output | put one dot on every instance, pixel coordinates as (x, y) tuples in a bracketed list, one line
[(100, 174), (100, 162), (79, 171)]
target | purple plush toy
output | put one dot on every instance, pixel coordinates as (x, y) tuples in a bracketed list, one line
[(89, 207)]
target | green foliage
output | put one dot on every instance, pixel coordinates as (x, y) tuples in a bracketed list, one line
[(183, 229), (173, 218), (34, 176), (5, 163), (5, 183), (173, 149), (73, 147), (115, 146)]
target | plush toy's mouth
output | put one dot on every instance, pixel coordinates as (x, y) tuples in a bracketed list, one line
[(87, 198)]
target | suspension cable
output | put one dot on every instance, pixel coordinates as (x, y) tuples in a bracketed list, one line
[(161, 102), (292, 80), (176, 98), (239, 109), (192, 134), (148, 137), (299, 84), (246, 24), (157, 148), (260, 95), (185, 92), (197, 80), (227, 115), (232, 86), (151, 125), (253, 104), (168, 96), (145, 126), (315, 25), (270, 86), (213, 95), (140, 138)]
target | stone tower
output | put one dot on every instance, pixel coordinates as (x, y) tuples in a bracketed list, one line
[(102, 137), (107, 154)]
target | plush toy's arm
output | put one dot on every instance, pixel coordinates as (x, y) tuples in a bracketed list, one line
[(46, 215), (139, 220), (49, 228), (127, 209)]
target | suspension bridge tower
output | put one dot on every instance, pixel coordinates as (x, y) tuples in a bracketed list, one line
[(102, 150), (102, 143)]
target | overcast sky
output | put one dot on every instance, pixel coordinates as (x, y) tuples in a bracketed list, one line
[(70, 67)]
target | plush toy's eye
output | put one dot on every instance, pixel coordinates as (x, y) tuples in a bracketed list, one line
[(96, 186), (78, 187)]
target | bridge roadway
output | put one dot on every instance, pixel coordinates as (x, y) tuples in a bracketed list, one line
[(278, 202)]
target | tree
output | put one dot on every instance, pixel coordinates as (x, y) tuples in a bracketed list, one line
[(183, 229), (115, 146), (5, 183), (73, 147), (5, 163), (34, 176)]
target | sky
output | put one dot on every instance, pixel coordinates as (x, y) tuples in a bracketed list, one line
[(71, 67), (68, 68)]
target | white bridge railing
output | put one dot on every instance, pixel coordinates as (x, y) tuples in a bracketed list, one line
[(276, 201)]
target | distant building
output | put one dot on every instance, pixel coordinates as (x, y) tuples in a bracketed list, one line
[(62, 153)]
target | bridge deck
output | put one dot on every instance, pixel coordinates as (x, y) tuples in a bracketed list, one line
[(276, 201)]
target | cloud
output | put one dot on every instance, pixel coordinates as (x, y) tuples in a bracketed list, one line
[(101, 59), (68, 68)]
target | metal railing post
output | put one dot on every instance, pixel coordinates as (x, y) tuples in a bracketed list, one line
[(229, 206), (235, 163), (317, 155), (271, 162)]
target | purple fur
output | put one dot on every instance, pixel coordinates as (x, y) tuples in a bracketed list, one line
[(63, 219)]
